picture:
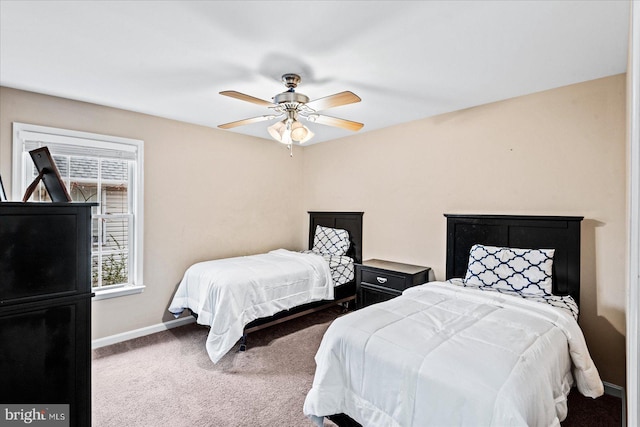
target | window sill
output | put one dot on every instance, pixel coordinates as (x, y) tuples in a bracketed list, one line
[(117, 292)]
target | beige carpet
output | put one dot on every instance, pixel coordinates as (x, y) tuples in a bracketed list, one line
[(167, 379)]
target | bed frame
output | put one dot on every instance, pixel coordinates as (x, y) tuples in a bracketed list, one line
[(561, 233), (343, 294)]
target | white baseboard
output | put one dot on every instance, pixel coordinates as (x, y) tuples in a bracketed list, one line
[(613, 390), (137, 333), (617, 391)]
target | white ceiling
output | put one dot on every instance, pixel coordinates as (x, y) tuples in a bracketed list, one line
[(406, 59)]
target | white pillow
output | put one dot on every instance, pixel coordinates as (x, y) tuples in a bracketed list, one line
[(526, 271), (331, 241)]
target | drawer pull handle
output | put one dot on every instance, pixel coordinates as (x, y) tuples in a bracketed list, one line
[(381, 280)]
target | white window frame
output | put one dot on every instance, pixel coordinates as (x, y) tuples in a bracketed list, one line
[(23, 132)]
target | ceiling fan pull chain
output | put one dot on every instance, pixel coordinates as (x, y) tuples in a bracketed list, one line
[(290, 150)]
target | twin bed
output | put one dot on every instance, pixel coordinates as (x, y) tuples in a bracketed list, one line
[(240, 295), (495, 344)]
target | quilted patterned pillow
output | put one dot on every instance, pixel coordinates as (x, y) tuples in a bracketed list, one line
[(330, 241), (522, 270)]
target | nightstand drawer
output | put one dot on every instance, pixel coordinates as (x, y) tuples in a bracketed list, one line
[(379, 280), (384, 279)]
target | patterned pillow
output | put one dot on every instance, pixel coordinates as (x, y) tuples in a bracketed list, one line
[(522, 270), (331, 241)]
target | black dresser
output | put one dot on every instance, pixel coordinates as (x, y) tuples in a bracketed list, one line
[(379, 280), (45, 308)]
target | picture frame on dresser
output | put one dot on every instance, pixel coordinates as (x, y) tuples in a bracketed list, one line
[(47, 173), (3, 194)]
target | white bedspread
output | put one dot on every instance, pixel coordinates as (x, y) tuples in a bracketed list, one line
[(227, 294), (442, 355)]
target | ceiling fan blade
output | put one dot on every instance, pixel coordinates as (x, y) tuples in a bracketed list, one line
[(246, 121), (334, 121), (335, 100), (248, 98)]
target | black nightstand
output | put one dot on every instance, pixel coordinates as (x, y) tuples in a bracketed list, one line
[(378, 280)]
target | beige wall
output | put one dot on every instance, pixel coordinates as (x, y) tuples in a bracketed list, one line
[(559, 152), (210, 194), (207, 194)]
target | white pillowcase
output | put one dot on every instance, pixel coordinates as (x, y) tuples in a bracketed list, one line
[(331, 241), (526, 271)]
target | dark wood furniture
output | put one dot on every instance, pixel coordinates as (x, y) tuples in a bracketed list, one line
[(380, 280), (561, 233), (45, 306), (350, 221), (343, 294)]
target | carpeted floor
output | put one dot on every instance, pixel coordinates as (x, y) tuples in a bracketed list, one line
[(167, 379), (605, 411)]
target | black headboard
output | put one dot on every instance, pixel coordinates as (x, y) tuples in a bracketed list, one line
[(561, 233), (350, 221)]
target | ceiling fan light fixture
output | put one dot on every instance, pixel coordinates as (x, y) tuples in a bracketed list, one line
[(298, 131), (281, 132), (274, 130), (285, 134), (293, 105), (308, 135)]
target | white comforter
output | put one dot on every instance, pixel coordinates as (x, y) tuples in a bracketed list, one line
[(227, 294), (441, 355)]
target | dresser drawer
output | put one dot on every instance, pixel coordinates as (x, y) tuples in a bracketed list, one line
[(385, 279)]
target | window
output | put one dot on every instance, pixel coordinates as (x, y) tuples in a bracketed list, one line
[(95, 168)]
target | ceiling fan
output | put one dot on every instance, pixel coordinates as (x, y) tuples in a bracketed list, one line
[(291, 106)]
